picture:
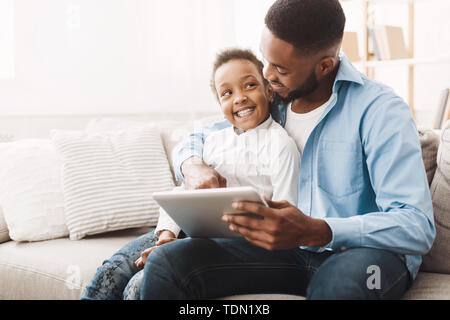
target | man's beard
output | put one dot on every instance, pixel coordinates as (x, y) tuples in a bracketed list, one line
[(310, 85)]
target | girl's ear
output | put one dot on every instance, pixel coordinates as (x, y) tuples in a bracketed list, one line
[(270, 93)]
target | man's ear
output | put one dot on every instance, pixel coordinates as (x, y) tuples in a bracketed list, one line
[(326, 66)]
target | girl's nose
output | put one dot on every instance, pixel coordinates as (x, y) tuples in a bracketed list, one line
[(240, 99)]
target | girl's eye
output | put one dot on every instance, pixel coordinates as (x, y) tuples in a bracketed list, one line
[(226, 93), (250, 85)]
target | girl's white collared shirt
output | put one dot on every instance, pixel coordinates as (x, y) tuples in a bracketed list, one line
[(265, 158)]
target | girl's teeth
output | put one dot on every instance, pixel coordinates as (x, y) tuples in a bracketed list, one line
[(244, 112)]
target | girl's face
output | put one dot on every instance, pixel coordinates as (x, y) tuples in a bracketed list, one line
[(242, 94)]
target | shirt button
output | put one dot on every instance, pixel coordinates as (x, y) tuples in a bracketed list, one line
[(343, 248)]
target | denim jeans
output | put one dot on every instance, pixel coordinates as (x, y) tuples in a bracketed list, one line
[(118, 278), (213, 268)]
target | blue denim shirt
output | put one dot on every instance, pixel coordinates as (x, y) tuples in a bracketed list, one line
[(361, 169)]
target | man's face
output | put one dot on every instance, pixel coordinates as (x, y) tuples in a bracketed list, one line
[(290, 74)]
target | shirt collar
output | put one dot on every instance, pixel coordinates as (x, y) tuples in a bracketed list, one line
[(264, 125), (347, 72)]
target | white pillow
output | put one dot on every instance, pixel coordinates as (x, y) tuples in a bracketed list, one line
[(30, 190), (108, 178), (172, 132), (4, 232)]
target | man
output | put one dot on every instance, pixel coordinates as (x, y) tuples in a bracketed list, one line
[(364, 215)]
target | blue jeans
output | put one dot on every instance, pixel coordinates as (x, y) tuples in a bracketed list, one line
[(213, 268), (118, 278)]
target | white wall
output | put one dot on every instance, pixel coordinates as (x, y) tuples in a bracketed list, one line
[(116, 56), (7, 70), (78, 57), (432, 40)]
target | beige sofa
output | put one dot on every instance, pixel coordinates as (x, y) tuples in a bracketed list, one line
[(61, 268)]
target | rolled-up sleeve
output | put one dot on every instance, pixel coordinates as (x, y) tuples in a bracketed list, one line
[(193, 146)]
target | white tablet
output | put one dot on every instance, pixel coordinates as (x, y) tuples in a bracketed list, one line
[(198, 212)]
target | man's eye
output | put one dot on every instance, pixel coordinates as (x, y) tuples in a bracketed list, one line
[(283, 73)]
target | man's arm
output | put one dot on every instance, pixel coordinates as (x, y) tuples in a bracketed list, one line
[(404, 222), (188, 164)]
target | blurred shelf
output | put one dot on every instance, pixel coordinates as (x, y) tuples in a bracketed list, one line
[(400, 62), (391, 1)]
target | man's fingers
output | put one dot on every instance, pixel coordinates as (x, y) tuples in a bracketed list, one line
[(243, 220), (254, 207), (212, 182), (277, 204), (259, 243), (256, 237), (198, 175)]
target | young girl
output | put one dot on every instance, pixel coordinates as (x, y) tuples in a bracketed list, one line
[(251, 150)]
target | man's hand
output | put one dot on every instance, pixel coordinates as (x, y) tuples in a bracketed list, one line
[(198, 175), (165, 237), (283, 226)]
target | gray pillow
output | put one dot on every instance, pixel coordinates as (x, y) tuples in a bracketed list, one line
[(429, 142), (438, 258)]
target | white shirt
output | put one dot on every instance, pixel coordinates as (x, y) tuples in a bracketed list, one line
[(265, 157), (300, 125)]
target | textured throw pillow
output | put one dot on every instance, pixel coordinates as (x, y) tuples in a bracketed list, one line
[(4, 232), (30, 190), (172, 132), (429, 142), (438, 259), (108, 178)]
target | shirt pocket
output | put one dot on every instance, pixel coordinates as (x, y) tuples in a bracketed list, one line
[(340, 170)]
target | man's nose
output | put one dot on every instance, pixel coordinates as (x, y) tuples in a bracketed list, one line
[(268, 72)]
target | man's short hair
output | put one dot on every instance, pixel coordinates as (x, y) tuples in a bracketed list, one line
[(309, 25), (235, 54)]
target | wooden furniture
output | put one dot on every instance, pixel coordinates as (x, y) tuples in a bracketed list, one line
[(368, 62)]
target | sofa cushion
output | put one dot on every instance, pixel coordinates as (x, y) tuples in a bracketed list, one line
[(429, 286), (56, 269), (108, 178), (429, 141), (438, 258)]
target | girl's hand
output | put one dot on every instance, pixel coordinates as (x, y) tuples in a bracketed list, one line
[(165, 237)]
